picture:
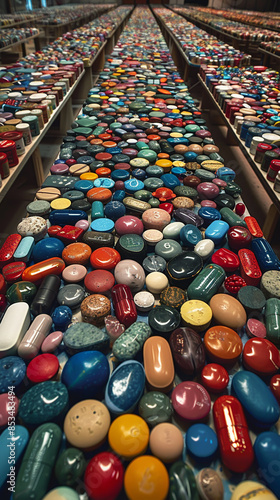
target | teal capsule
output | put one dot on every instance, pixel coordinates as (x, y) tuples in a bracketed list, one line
[(35, 471), (97, 210), (231, 217), (206, 283), (272, 320)]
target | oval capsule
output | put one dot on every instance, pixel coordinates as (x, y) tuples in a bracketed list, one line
[(158, 363), (256, 398), (233, 435), (37, 272), (249, 267)]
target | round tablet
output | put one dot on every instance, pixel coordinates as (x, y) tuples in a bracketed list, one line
[(196, 314), (74, 273), (255, 328), (223, 345), (144, 301), (146, 478), (48, 194), (42, 368), (191, 401), (155, 218), (86, 424), (105, 258), (156, 282), (76, 253), (214, 378), (166, 442), (102, 225), (201, 441), (99, 281), (129, 436), (60, 204)]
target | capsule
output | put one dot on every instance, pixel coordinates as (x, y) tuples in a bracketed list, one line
[(35, 471), (124, 306), (232, 430), (272, 320)]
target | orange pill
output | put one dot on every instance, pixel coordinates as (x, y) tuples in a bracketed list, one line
[(76, 253), (37, 272), (223, 345), (99, 194)]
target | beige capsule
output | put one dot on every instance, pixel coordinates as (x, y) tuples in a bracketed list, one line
[(158, 364)]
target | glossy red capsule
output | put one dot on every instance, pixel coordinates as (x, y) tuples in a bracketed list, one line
[(249, 267), (124, 306), (233, 436), (168, 207), (275, 386), (104, 476), (253, 227)]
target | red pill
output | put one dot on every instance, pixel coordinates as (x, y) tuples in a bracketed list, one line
[(105, 258), (214, 377), (104, 476), (233, 436), (124, 306), (261, 357), (43, 367)]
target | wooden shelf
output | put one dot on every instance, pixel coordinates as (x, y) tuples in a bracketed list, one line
[(22, 42), (32, 151), (274, 212), (21, 23)]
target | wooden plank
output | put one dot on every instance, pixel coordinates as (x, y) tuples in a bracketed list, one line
[(20, 42)]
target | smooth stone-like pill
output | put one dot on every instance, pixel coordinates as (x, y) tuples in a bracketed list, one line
[(50, 400), (267, 451), (166, 442), (131, 341), (52, 341), (204, 248), (156, 282), (210, 485), (136, 475), (158, 364), (85, 337), (182, 480), (256, 398), (252, 489), (125, 387), (155, 407), (129, 436), (187, 351)]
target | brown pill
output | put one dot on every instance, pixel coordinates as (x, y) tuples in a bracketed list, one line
[(158, 363)]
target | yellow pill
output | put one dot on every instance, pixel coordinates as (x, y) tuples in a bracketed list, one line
[(196, 314), (146, 478), (89, 176), (60, 204), (176, 134), (165, 164), (129, 436)]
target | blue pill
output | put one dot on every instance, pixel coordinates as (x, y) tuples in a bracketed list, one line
[(47, 248), (265, 255), (226, 174), (20, 438), (209, 214), (119, 195), (102, 225), (267, 453), (83, 185), (170, 181), (12, 372), (139, 173), (120, 175), (104, 182), (201, 441), (65, 217), (256, 398), (190, 156), (114, 210), (86, 374), (133, 185), (190, 235), (216, 231), (62, 316), (125, 387)]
